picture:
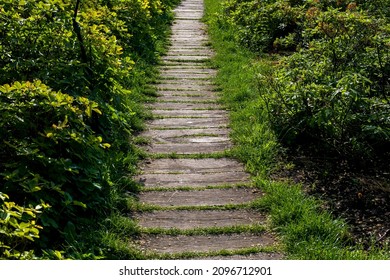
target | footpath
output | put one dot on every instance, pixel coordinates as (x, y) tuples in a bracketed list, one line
[(198, 198)]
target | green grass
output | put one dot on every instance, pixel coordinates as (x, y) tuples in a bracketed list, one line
[(187, 188), (306, 230), (201, 255), (253, 228), (215, 155), (196, 109), (142, 141), (159, 117), (196, 135), (193, 101), (172, 78), (150, 207), (205, 60), (186, 95)]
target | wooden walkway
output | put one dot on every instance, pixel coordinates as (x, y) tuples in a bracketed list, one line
[(202, 197)]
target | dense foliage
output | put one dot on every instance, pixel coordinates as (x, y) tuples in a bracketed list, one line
[(67, 112), (332, 87)]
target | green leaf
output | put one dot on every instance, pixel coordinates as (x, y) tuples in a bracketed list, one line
[(13, 222), (49, 222), (36, 189), (79, 203), (3, 196)]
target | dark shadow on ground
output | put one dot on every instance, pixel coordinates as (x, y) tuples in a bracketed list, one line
[(358, 194)]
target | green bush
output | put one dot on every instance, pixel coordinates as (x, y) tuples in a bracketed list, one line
[(261, 24), (335, 91), (50, 155), (89, 51), (275, 25), (377, 8), (18, 228)]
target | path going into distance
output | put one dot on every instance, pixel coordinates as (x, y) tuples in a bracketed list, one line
[(199, 200)]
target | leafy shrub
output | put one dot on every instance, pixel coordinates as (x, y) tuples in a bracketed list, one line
[(50, 155), (275, 25), (335, 91), (377, 8), (260, 23), (334, 88), (88, 51), (141, 19), (18, 228)]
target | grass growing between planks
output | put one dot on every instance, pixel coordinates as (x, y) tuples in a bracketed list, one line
[(306, 231), (218, 254), (207, 230)]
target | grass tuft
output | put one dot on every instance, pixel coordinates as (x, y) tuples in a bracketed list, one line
[(253, 228), (226, 253)]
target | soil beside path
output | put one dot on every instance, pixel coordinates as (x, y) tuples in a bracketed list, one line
[(202, 205)]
